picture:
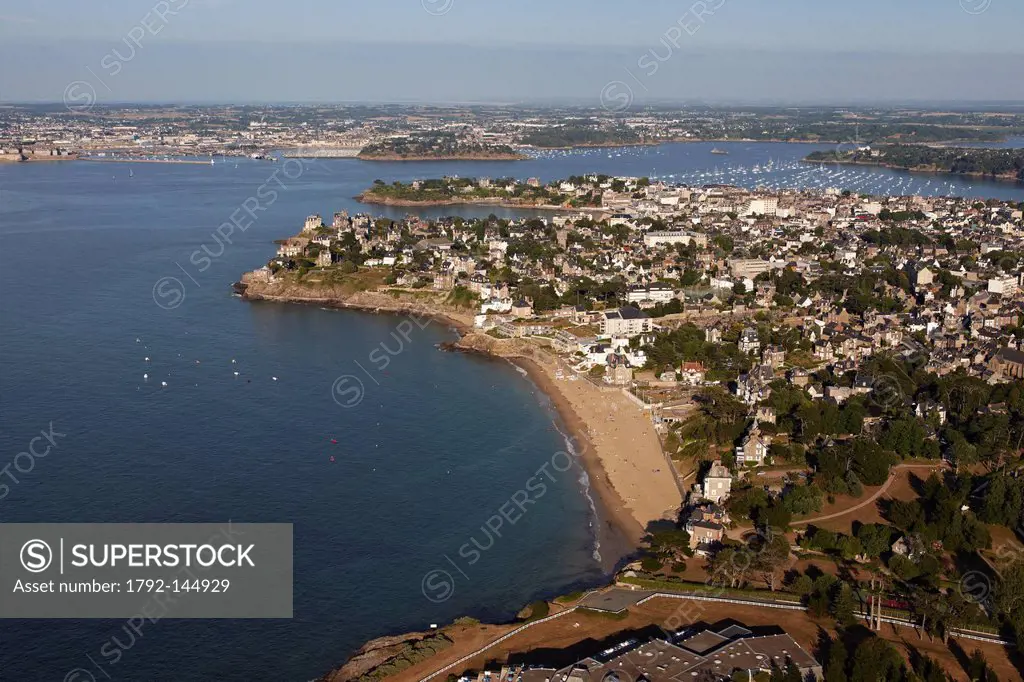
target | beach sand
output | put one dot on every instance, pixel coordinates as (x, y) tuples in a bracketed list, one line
[(618, 447)]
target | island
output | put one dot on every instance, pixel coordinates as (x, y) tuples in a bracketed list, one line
[(437, 146), (568, 194), (1002, 164), (801, 411)]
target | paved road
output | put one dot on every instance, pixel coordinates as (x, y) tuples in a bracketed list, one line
[(614, 600)]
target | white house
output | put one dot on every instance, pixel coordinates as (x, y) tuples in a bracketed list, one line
[(626, 322), (717, 483), (1006, 286), (658, 293)]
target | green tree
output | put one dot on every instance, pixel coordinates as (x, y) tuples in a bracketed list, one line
[(978, 669), (875, 539), (835, 669), (875, 660), (843, 605), (731, 566), (1010, 599), (772, 555), (803, 499)]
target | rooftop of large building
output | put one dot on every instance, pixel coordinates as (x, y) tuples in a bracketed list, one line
[(722, 649)]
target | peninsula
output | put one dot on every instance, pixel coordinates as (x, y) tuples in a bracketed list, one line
[(437, 146), (506, 192), (1003, 164)]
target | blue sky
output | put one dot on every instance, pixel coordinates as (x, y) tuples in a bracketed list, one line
[(333, 50)]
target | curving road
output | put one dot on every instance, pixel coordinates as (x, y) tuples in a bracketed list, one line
[(881, 491)]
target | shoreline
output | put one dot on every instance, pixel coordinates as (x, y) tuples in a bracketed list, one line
[(620, 451), (94, 159), (974, 175), (373, 200), (619, 516), (744, 140), (615, 458), (452, 157), (618, 527), (460, 326)]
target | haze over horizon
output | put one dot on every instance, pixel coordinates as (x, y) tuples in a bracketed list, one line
[(445, 51)]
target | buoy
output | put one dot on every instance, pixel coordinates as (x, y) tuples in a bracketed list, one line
[(232, 361), (145, 376), (332, 458), (333, 440)]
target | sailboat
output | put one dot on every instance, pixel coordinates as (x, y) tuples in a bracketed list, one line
[(131, 173)]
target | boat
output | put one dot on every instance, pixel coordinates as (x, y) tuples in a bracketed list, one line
[(716, 150)]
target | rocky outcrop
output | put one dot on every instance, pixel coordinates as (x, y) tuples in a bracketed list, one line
[(385, 656), (428, 304), (485, 344)]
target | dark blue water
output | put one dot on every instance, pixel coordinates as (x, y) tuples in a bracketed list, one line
[(420, 465), (438, 443)]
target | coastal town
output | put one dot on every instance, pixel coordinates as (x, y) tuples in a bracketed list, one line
[(457, 341), (790, 397)]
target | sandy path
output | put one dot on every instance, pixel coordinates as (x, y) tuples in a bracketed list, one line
[(871, 500)]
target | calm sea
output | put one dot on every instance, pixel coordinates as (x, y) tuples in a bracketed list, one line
[(437, 443)]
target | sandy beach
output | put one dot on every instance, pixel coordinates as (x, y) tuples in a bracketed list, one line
[(618, 446)]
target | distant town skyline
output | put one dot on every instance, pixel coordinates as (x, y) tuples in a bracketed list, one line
[(791, 51)]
